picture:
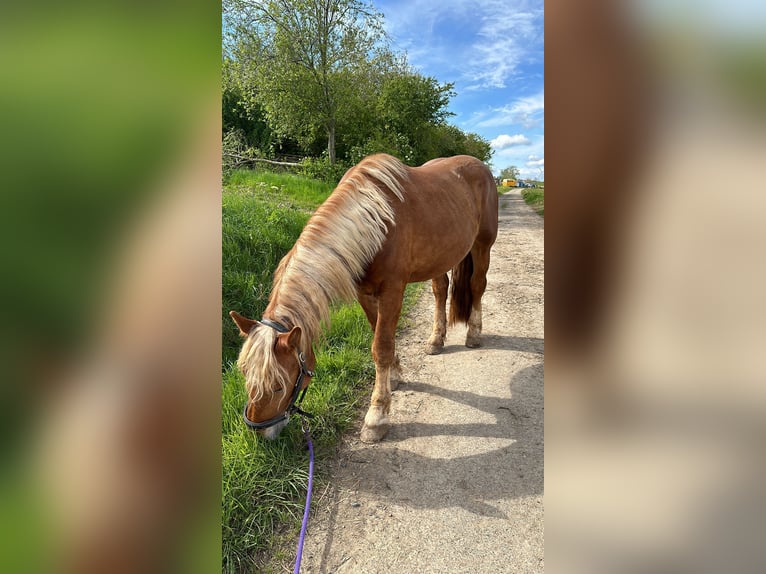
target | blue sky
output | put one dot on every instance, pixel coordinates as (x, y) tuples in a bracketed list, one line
[(493, 52)]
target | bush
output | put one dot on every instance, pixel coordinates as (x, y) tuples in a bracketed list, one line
[(393, 144), (321, 168), (235, 151)]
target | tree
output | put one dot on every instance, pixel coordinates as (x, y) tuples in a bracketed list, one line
[(446, 140), (477, 146), (409, 107), (511, 172), (304, 55), (240, 113)]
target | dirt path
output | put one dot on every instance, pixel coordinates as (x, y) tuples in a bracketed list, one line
[(457, 485)]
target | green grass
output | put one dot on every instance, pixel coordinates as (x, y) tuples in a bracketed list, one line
[(535, 198), (264, 482), (301, 191)]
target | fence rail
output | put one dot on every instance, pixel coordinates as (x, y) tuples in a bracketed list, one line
[(243, 159)]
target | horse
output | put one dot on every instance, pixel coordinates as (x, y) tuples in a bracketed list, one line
[(385, 225)]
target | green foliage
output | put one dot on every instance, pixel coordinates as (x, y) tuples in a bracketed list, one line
[(242, 114), (408, 108), (409, 99), (321, 168), (477, 146), (446, 140), (397, 145), (535, 198), (510, 172)]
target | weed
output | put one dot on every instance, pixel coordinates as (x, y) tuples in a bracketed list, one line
[(535, 198)]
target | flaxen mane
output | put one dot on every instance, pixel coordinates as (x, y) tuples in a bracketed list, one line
[(331, 255)]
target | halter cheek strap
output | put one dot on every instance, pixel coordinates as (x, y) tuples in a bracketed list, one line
[(298, 393)]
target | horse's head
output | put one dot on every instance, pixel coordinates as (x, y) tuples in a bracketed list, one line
[(275, 373)]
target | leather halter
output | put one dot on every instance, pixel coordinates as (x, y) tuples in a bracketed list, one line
[(297, 396)]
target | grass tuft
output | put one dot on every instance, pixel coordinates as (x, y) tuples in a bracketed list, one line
[(535, 198)]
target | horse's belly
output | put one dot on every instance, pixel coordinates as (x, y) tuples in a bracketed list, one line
[(436, 255)]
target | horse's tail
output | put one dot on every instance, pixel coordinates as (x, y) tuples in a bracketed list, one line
[(461, 297)]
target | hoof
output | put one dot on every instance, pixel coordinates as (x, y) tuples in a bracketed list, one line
[(434, 349), (473, 342), (374, 434), (435, 344)]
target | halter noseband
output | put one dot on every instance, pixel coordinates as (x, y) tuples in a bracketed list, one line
[(297, 397)]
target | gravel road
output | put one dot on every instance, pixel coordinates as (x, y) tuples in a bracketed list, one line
[(457, 484)]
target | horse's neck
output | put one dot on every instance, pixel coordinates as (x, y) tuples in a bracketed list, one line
[(285, 310), (307, 283)]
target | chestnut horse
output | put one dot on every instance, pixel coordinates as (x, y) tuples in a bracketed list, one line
[(384, 225)]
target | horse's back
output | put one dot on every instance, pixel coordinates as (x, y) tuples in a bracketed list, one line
[(463, 180), (449, 204)]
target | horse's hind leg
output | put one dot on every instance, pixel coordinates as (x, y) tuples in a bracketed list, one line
[(439, 285), (480, 254), (376, 423)]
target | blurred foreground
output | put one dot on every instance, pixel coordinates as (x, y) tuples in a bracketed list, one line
[(655, 282), (110, 339)]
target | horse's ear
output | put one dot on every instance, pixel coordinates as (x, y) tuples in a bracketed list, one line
[(245, 325), (292, 340)]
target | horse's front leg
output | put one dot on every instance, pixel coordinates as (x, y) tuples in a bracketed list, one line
[(369, 303), (376, 423)]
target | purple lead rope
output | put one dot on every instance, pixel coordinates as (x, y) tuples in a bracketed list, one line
[(308, 499)]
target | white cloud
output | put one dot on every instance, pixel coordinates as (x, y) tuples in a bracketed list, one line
[(529, 104), (528, 159), (527, 112), (508, 36), (534, 168), (479, 43), (505, 141)]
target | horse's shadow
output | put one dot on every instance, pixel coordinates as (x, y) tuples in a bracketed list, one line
[(490, 405), (534, 345), (465, 479), (476, 482)]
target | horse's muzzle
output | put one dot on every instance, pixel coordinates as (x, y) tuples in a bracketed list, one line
[(272, 432)]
